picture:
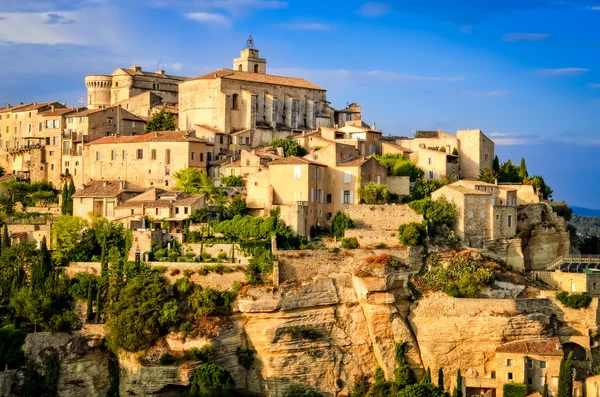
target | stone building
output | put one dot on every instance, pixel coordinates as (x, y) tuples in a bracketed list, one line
[(246, 107), (476, 152), (145, 160), (102, 197), (148, 103), (365, 139), (125, 83)]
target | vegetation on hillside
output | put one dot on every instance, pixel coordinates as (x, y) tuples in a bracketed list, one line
[(400, 165), (161, 121), (512, 173), (290, 147)]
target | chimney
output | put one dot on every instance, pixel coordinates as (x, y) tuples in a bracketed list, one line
[(104, 184), (136, 68), (122, 184), (336, 126), (161, 72), (374, 128), (280, 151), (52, 107)]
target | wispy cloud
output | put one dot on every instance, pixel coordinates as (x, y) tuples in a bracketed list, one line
[(177, 66), (516, 37), (360, 76), (504, 139), (594, 85), (54, 19), (486, 94), (304, 26), (562, 72), (209, 18), (595, 8), (231, 6), (373, 9)]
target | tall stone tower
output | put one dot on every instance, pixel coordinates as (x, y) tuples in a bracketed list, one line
[(249, 61), (98, 87)]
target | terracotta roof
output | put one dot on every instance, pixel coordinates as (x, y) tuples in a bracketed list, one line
[(181, 199), (260, 78), (394, 145), (107, 188), (162, 136), (132, 72), (542, 347), (86, 112), (221, 162), (354, 162), (36, 106), (208, 128), (13, 108), (293, 160), (58, 112), (465, 190), (234, 164)]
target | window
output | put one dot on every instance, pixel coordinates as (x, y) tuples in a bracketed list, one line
[(297, 172), (346, 177), (185, 210), (329, 199), (192, 155), (542, 364), (241, 140), (255, 68), (221, 139), (39, 126), (530, 381), (431, 175), (509, 376), (232, 172), (482, 214), (234, 101), (510, 221), (201, 156), (319, 174), (483, 200), (320, 196), (55, 141), (312, 195), (140, 154), (208, 156), (109, 120), (509, 362), (470, 200), (430, 161), (312, 172), (167, 156), (156, 211), (132, 123), (372, 148), (29, 128), (177, 210), (542, 381), (529, 363), (113, 155), (153, 154), (470, 214), (51, 167), (247, 140), (123, 154), (97, 156), (346, 197), (555, 381), (486, 157), (348, 116)]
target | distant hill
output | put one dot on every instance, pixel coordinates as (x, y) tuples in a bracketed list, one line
[(585, 211), (586, 225)]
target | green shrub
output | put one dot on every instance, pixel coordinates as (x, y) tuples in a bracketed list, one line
[(205, 353), (341, 222), (574, 301), (232, 181), (421, 390), (245, 357), (381, 246), (301, 391), (514, 390), (210, 380), (167, 359), (350, 243), (412, 234), (11, 353), (374, 193), (222, 256)]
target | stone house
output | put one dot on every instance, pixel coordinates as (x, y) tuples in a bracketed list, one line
[(146, 104), (476, 152), (250, 107), (365, 139), (158, 205), (102, 197), (108, 90), (529, 361), (147, 160), (351, 113)]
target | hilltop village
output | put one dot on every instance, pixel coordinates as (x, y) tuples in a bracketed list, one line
[(237, 227)]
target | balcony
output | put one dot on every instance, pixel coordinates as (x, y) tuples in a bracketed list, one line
[(72, 152), (24, 148), (74, 136)]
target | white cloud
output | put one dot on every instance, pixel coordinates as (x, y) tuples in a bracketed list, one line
[(209, 18), (304, 26), (562, 72), (359, 76), (372, 9), (504, 139), (89, 26), (595, 8), (232, 6), (517, 37), (177, 66)]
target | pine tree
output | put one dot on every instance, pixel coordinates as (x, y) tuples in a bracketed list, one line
[(565, 377), (458, 389), (427, 376), (441, 378), (5, 237), (523, 170), (90, 304), (496, 165), (545, 391), (65, 199)]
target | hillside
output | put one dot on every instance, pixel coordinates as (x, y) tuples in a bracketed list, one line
[(586, 225)]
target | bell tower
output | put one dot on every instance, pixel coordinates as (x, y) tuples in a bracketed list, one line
[(249, 60)]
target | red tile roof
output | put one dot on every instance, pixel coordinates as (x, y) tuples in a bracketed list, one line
[(294, 160), (162, 136), (36, 106), (107, 188), (58, 112), (132, 72), (260, 78), (542, 347)]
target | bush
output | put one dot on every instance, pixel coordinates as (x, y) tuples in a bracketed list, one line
[(232, 181), (205, 353), (210, 380), (514, 390), (400, 165), (341, 222), (350, 243), (374, 193), (422, 390), (304, 332), (290, 147), (412, 234), (11, 353), (574, 301), (245, 357), (381, 246), (222, 256), (301, 391), (435, 212), (167, 359)]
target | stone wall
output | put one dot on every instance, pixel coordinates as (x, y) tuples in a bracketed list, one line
[(507, 250), (399, 185), (572, 282), (381, 217), (371, 238)]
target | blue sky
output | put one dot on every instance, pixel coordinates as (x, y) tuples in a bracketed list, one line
[(527, 72)]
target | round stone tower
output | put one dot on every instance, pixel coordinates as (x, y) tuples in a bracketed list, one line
[(98, 87)]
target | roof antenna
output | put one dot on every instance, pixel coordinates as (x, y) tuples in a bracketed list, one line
[(250, 42), (82, 101), (160, 65)]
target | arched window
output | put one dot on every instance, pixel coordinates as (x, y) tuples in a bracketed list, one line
[(255, 68), (234, 101), (240, 68)]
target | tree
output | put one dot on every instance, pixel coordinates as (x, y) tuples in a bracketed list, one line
[(194, 181), (237, 206), (441, 378), (565, 377), (232, 181), (341, 223), (455, 152), (488, 175), (427, 377), (412, 234), (424, 187), (458, 389), (512, 389), (496, 165), (290, 147), (436, 212), (374, 193), (67, 231), (421, 390), (211, 380), (64, 206), (400, 165), (403, 375), (5, 237), (161, 121), (545, 391), (523, 170)]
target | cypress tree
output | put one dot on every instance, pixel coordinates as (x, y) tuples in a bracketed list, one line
[(5, 237), (98, 299), (523, 169), (90, 304), (427, 376), (441, 378), (545, 391), (65, 199), (565, 377), (71, 193), (458, 389), (496, 165), (45, 258)]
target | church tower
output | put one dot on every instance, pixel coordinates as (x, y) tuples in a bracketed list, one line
[(249, 61)]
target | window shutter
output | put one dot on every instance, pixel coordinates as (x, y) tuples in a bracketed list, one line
[(346, 177), (341, 197), (351, 196), (312, 194)]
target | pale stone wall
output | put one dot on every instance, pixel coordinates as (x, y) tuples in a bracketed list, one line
[(509, 251), (592, 386), (576, 283), (504, 221), (521, 373), (399, 185), (435, 163), (476, 152), (382, 217), (259, 193)]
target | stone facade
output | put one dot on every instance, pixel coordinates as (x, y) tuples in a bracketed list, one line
[(476, 152)]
